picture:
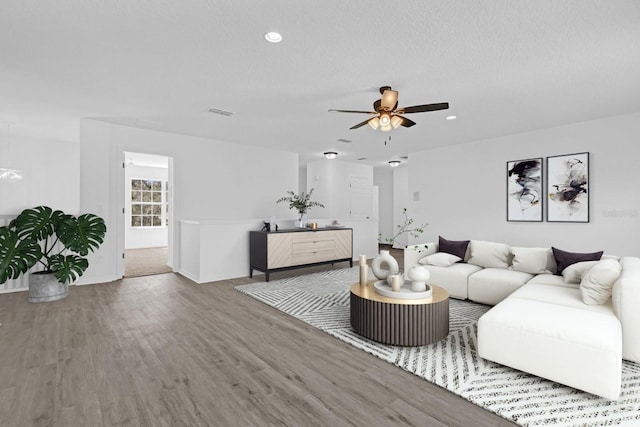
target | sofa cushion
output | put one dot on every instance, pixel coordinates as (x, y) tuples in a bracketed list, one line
[(564, 259), (453, 278), (489, 254), (572, 346), (574, 273), (597, 284), (492, 285), (441, 259), (533, 260), (551, 279), (560, 295), (453, 247)]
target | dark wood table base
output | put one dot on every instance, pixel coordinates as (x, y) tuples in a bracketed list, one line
[(399, 322)]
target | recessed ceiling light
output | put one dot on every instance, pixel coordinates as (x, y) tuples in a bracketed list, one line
[(346, 141), (273, 37), (394, 163), (362, 158), (451, 117)]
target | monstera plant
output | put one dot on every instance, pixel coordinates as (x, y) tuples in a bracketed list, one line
[(57, 241)]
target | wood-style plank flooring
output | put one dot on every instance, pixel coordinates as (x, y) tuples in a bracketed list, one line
[(163, 351)]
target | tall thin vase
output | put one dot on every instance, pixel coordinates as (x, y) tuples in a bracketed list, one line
[(302, 221)]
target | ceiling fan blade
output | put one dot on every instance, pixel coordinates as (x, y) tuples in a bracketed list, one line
[(389, 99), (353, 111), (406, 122), (359, 125), (423, 108)]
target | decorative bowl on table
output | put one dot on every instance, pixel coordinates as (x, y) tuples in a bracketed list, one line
[(383, 288)]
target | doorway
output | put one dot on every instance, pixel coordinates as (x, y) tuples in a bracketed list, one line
[(147, 209)]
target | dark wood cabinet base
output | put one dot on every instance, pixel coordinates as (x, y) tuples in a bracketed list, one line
[(267, 272)]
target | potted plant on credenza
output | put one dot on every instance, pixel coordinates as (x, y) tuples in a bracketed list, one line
[(57, 241), (300, 202)]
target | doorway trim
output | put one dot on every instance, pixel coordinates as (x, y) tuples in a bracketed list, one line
[(120, 204)]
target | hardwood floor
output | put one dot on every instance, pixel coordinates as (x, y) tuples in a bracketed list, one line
[(163, 351)]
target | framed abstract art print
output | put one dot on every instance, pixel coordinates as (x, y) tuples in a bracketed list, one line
[(568, 188), (524, 190)]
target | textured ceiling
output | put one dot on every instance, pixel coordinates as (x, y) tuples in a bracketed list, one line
[(504, 67)]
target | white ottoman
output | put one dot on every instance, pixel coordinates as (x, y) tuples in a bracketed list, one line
[(578, 347)]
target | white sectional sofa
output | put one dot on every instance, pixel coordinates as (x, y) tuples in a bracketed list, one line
[(540, 323)]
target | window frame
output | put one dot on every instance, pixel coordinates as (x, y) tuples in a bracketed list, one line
[(163, 204)]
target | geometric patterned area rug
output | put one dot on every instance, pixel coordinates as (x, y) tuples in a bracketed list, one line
[(322, 300)]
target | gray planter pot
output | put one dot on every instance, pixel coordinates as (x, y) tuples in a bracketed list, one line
[(45, 288)]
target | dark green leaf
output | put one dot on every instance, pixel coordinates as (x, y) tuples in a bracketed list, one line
[(82, 234), (68, 268), (37, 223), (16, 256)]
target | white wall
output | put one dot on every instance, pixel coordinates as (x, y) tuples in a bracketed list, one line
[(400, 202), (302, 180), (142, 237), (383, 179), (462, 187), (330, 180), (213, 180), (51, 175)]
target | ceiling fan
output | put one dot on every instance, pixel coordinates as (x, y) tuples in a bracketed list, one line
[(388, 115)]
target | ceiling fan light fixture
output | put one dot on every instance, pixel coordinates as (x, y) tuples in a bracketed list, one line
[(385, 110), (330, 155), (389, 99), (396, 121), (394, 163)]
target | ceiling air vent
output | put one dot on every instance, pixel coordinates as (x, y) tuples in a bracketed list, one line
[(221, 112)]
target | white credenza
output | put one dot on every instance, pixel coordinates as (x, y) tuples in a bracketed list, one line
[(287, 249)]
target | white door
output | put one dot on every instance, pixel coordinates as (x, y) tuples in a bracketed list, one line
[(360, 197)]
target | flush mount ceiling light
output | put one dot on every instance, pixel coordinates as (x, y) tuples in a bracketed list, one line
[(273, 37), (394, 163), (451, 117), (387, 114), (330, 155)]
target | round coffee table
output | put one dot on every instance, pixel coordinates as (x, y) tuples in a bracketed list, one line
[(399, 321)]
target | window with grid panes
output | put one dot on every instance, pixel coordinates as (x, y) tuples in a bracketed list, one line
[(149, 204)]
